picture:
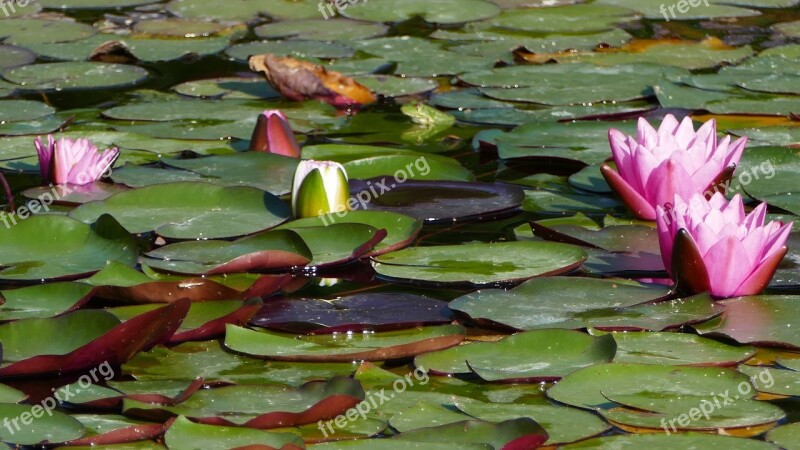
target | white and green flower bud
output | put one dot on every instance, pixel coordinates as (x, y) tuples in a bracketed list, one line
[(319, 187)]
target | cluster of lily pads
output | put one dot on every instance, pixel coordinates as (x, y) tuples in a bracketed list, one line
[(209, 255)]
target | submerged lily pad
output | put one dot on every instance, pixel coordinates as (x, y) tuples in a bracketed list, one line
[(190, 210), (479, 264)]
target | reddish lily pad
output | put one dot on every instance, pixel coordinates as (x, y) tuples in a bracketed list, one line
[(260, 406), (94, 337), (357, 313), (114, 429), (760, 319), (368, 346)]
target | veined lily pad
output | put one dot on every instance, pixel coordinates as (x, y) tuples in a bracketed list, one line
[(368, 346), (66, 76), (190, 210), (357, 313), (62, 247), (184, 435), (271, 250), (540, 355), (479, 264), (260, 406)]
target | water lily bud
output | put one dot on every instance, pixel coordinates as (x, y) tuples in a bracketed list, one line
[(712, 245), (75, 162), (657, 164), (319, 187), (274, 135)]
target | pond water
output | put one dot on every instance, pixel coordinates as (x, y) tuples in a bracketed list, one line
[(488, 286)]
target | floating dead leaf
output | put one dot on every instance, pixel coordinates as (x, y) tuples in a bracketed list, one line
[(113, 52), (301, 80)]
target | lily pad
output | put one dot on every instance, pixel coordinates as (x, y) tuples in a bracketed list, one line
[(53, 427), (321, 30), (23, 31), (43, 300), (67, 76), (190, 210), (479, 264), (531, 356), (184, 435), (674, 441), (786, 436), (357, 313), (677, 349), (368, 346), (759, 319), (441, 12), (62, 247), (574, 303), (12, 56)]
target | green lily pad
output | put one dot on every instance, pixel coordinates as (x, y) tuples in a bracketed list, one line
[(692, 56), (540, 355), (772, 380), (36, 427), (479, 264), (674, 441), (329, 348), (786, 436), (184, 435), (12, 56), (563, 424), (523, 432), (23, 31), (321, 30), (144, 49), (259, 406), (585, 388), (677, 349), (295, 49), (563, 19), (765, 173), (227, 88), (49, 246), (20, 110), (115, 429), (220, 10), (788, 28), (67, 76), (389, 86), (441, 12), (43, 300), (190, 210), (270, 250), (651, 9), (94, 4), (567, 302)]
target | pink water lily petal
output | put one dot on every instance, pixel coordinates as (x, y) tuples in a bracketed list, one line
[(726, 265), (668, 180), (757, 281), (638, 205)]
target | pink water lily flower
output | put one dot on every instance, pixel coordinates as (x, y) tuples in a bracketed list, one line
[(712, 245), (75, 162), (674, 159), (274, 135)]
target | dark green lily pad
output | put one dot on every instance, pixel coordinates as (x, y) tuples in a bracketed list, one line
[(516, 433), (479, 264), (677, 349), (786, 436), (184, 435), (228, 88), (531, 356), (190, 210), (674, 441), (389, 86), (567, 302), (766, 174), (62, 247), (321, 30), (66, 76), (295, 49), (20, 110), (368, 346), (441, 12), (563, 19), (23, 31), (221, 10), (651, 9), (773, 381), (94, 4)]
